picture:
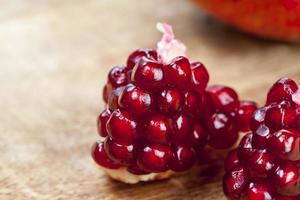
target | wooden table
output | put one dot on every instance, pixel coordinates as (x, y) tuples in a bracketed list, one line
[(54, 56)]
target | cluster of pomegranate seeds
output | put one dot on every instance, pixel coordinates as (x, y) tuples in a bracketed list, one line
[(266, 164), (160, 113)]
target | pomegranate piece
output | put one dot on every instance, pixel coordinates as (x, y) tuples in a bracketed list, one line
[(270, 153), (161, 115)]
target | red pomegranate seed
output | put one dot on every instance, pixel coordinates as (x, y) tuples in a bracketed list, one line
[(281, 90), (286, 175), (102, 120), (192, 103), (154, 158), (134, 99), (281, 116), (244, 114), (231, 161), (122, 127), (169, 101), (258, 118), (118, 152), (114, 98), (200, 136), (200, 77), (157, 129), (178, 72), (235, 181), (261, 137), (136, 56), (101, 158), (184, 158), (117, 77), (181, 128), (259, 190), (105, 94), (222, 98), (261, 164), (148, 74)]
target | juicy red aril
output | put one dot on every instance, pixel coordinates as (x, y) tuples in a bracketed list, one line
[(154, 158), (114, 98), (102, 120), (271, 153), (200, 135), (105, 94), (178, 72), (220, 126), (157, 129), (261, 164), (136, 56), (181, 128), (235, 181), (200, 77), (101, 158), (222, 98), (118, 152), (122, 127), (282, 90), (169, 101), (283, 142), (286, 175), (184, 158), (134, 99), (117, 77), (231, 161), (259, 190), (192, 103), (258, 118), (148, 74), (244, 114), (282, 115)]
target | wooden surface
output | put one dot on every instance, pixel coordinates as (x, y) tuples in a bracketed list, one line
[(54, 56)]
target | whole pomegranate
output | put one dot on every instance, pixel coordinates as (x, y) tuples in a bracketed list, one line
[(266, 165), (276, 19), (160, 114)]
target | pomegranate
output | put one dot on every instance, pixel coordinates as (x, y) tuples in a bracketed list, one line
[(160, 114), (266, 164)]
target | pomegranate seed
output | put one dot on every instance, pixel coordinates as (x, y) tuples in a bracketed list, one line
[(258, 118), (134, 99), (114, 98), (184, 158), (261, 137), (154, 158), (235, 181), (244, 114), (122, 127), (136, 56), (259, 190), (101, 158), (157, 129), (181, 128), (117, 77), (200, 77), (222, 98), (200, 135), (281, 90), (286, 175), (261, 164), (178, 72), (192, 103), (280, 116), (231, 161), (105, 94), (169, 101), (102, 120), (119, 153), (148, 74)]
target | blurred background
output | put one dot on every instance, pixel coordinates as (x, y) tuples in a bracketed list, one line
[(54, 57)]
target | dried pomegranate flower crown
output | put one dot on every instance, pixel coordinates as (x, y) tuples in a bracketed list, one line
[(266, 163)]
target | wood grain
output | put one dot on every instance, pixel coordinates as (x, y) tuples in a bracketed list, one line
[(54, 56)]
